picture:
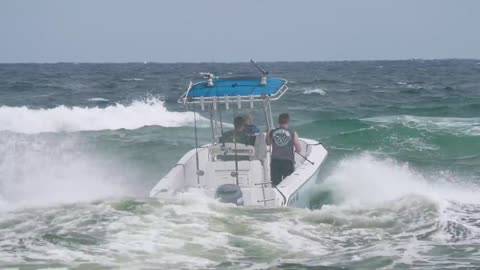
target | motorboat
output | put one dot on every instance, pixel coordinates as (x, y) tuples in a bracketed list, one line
[(233, 172)]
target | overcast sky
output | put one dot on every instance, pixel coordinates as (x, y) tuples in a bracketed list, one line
[(231, 31)]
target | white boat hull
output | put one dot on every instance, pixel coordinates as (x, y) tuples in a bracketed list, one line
[(253, 176)]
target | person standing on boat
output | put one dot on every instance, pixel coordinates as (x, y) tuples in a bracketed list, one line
[(285, 143), (238, 132)]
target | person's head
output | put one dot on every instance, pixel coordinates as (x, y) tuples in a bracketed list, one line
[(238, 123), (247, 118), (283, 119)]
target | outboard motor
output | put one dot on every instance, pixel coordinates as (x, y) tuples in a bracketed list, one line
[(229, 193)]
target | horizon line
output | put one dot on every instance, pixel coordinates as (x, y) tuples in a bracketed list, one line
[(241, 62)]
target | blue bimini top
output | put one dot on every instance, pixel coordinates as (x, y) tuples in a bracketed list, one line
[(244, 88)]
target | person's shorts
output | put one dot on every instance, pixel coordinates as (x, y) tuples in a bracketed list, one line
[(279, 169)]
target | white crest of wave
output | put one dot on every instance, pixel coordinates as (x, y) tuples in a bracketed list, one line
[(365, 179), (469, 126), (98, 99), (133, 79), (319, 91), (138, 114)]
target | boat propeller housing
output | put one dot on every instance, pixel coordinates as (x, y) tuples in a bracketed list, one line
[(229, 193)]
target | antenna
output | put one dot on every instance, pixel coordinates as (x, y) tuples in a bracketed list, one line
[(263, 71), (186, 94)]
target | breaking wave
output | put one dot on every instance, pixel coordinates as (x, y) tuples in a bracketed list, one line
[(133, 79), (146, 112), (318, 91), (365, 179), (365, 182), (98, 99)]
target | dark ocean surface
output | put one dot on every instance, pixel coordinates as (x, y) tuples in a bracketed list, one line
[(81, 145)]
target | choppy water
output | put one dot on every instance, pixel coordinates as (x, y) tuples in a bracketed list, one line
[(82, 144)]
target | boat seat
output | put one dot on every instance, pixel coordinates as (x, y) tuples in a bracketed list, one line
[(250, 172), (230, 152)]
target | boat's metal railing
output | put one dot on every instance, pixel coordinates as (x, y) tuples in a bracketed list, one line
[(227, 100)]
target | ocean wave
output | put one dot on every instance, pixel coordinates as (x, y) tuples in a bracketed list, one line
[(97, 99), (133, 79), (319, 91), (467, 126), (365, 179), (416, 86), (385, 207), (363, 182), (139, 113)]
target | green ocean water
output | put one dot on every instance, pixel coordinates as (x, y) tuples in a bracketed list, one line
[(82, 145)]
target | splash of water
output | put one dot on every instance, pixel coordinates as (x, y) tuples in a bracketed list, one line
[(366, 183), (365, 179), (51, 169)]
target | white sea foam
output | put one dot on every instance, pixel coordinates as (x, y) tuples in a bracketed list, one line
[(147, 112), (318, 91), (96, 99), (385, 207), (468, 126), (133, 79)]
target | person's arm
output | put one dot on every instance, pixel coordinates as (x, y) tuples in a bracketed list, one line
[(268, 139), (296, 143)]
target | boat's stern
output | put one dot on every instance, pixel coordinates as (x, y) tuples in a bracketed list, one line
[(234, 171)]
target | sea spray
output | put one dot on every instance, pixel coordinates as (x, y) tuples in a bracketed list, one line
[(40, 170), (365, 183), (367, 179)]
